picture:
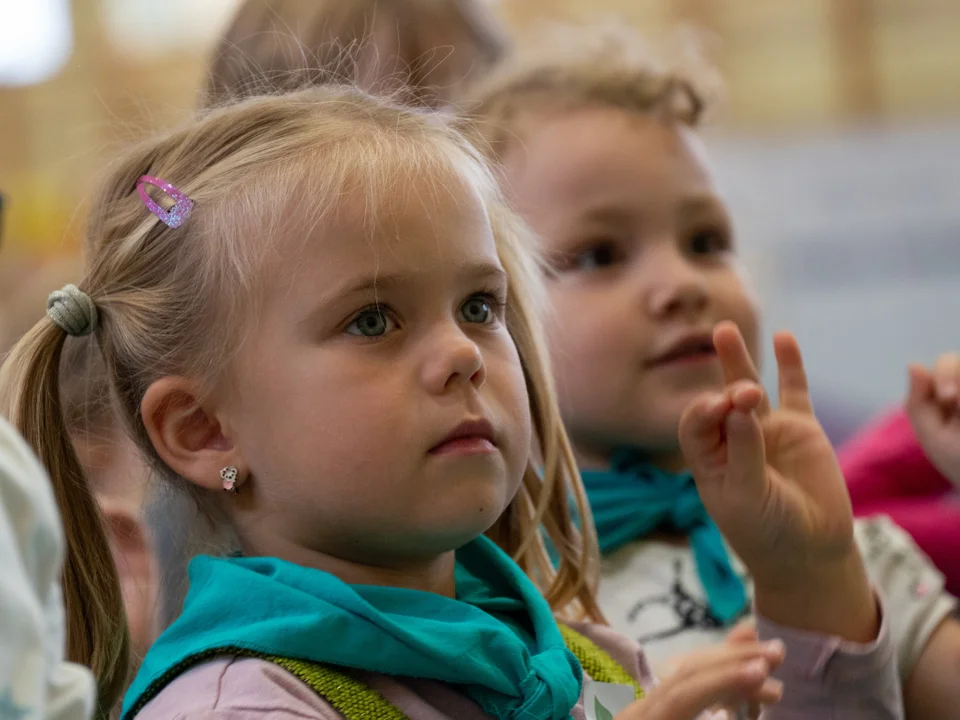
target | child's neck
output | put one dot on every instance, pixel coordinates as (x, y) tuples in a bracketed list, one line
[(435, 575), (670, 460)]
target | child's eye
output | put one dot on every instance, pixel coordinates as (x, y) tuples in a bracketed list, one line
[(372, 322), (597, 256), (708, 242), (480, 309)]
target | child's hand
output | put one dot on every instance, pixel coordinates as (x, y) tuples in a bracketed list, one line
[(933, 406), (727, 676), (770, 480), (744, 632)]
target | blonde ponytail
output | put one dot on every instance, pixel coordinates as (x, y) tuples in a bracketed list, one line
[(97, 634)]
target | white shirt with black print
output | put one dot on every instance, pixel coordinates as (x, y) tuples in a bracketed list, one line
[(650, 592)]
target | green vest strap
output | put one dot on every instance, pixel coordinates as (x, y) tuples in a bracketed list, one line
[(597, 663), (355, 701), (349, 697)]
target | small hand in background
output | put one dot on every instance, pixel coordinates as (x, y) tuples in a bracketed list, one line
[(744, 634), (723, 678), (933, 406), (744, 631)]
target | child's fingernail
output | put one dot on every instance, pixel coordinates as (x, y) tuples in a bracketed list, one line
[(773, 689), (775, 647), (757, 668)]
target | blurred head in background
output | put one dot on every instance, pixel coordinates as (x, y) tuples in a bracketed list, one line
[(597, 134), (422, 49)]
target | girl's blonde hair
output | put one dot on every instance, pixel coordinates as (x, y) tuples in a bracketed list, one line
[(405, 45), (170, 301), (564, 68)]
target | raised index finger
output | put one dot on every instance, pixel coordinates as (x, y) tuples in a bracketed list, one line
[(794, 392), (735, 358)]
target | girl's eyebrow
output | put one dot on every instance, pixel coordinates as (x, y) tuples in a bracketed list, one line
[(468, 272), (609, 214), (699, 203)]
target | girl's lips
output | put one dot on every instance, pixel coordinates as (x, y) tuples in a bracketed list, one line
[(465, 446), (470, 437), (693, 347)]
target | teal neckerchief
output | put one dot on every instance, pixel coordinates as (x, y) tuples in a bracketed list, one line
[(633, 499), (498, 641)]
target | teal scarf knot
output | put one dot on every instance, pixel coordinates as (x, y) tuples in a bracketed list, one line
[(633, 499), (497, 641)]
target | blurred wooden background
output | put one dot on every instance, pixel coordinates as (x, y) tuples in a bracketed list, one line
[(837, 150), (798, 66)]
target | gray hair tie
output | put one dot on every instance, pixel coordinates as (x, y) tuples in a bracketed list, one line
[(72, 310)]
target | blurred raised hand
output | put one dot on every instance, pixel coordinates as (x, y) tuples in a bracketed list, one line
[(933, 406)]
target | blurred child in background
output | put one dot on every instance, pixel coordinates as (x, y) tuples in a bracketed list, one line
[(907, 465), (597, 137), (422, 50)]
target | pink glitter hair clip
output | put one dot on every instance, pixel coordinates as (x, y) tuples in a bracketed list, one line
[(175, 216)]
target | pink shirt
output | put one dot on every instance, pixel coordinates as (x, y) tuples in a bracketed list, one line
[(885, 460), (824, 679), (888, 473)]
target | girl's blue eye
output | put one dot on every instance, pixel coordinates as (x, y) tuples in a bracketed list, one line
[(370, 323), (477, 309)]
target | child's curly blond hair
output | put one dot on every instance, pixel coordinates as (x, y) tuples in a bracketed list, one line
[(566, 67)]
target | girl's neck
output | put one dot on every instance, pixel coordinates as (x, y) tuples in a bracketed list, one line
[(435, 575), (671, 461), (589, 458)]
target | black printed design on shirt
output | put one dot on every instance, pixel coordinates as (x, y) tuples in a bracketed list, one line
[(690, 613)]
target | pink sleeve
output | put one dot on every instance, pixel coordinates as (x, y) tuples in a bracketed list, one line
[(230, 688), (885, 461), (826, 678)]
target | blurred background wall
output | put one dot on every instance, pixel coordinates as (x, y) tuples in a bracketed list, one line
[(839, 150)]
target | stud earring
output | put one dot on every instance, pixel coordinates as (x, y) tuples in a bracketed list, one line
[(229, 477)]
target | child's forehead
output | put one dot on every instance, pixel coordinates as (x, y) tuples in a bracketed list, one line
[(423, 217), (604, 135), (582, 156)]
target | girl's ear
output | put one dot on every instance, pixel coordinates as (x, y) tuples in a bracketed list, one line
[(187, 436)]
